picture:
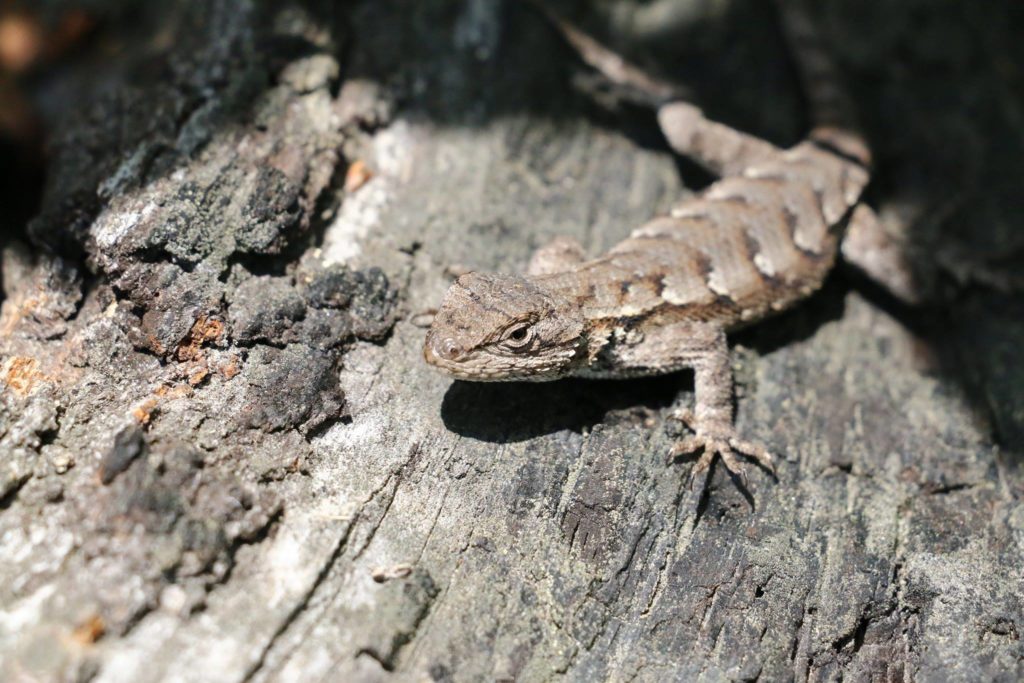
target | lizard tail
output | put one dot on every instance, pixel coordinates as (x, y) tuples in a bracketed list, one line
[(834, 119), (641, 86)]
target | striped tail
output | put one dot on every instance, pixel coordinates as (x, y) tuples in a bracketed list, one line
[(833, 116)]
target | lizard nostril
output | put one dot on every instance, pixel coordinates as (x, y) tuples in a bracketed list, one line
[(449, 350), (441, 349)]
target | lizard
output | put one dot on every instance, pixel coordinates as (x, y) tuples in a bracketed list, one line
[(758, 240)]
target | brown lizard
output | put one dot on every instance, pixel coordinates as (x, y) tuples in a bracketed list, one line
[(752, 244)]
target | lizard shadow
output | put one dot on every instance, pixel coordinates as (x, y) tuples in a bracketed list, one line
[(517, 411)]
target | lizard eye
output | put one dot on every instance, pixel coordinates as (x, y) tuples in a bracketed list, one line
[(519, 336)]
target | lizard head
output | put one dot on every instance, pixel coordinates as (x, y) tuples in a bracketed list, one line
[(493, 328)]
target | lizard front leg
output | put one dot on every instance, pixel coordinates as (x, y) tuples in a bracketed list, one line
[(712, 418), (702, 347), (557, 256)]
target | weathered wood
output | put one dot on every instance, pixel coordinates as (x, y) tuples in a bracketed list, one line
[(224, 459)]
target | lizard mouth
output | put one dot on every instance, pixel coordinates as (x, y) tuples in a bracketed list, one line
[(460, 371), (432, 358), (456, 370)]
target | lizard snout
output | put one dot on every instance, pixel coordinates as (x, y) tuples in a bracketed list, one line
[(436, 349)]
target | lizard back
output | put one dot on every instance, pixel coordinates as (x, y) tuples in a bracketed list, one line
[(747, 246)]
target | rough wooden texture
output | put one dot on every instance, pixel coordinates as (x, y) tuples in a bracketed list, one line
[(220, 460)]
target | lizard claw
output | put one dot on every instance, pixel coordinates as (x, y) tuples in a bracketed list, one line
[(685, 415), (755, 451), (719, 442)]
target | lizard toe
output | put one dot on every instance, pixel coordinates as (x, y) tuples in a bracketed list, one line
[(755, 451), (687, 445), (733, 465), (702, 465), (720, 443)]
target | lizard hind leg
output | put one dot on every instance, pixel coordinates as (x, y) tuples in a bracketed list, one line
[(722, 150), (880, 255)]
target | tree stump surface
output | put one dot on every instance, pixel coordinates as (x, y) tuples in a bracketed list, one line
[(223, 458)]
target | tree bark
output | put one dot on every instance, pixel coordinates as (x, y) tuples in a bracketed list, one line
[(222, 457)]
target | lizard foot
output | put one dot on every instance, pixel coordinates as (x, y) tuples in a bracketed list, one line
[(718, 440)]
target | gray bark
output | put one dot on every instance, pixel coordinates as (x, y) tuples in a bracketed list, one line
[(224, 459)]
